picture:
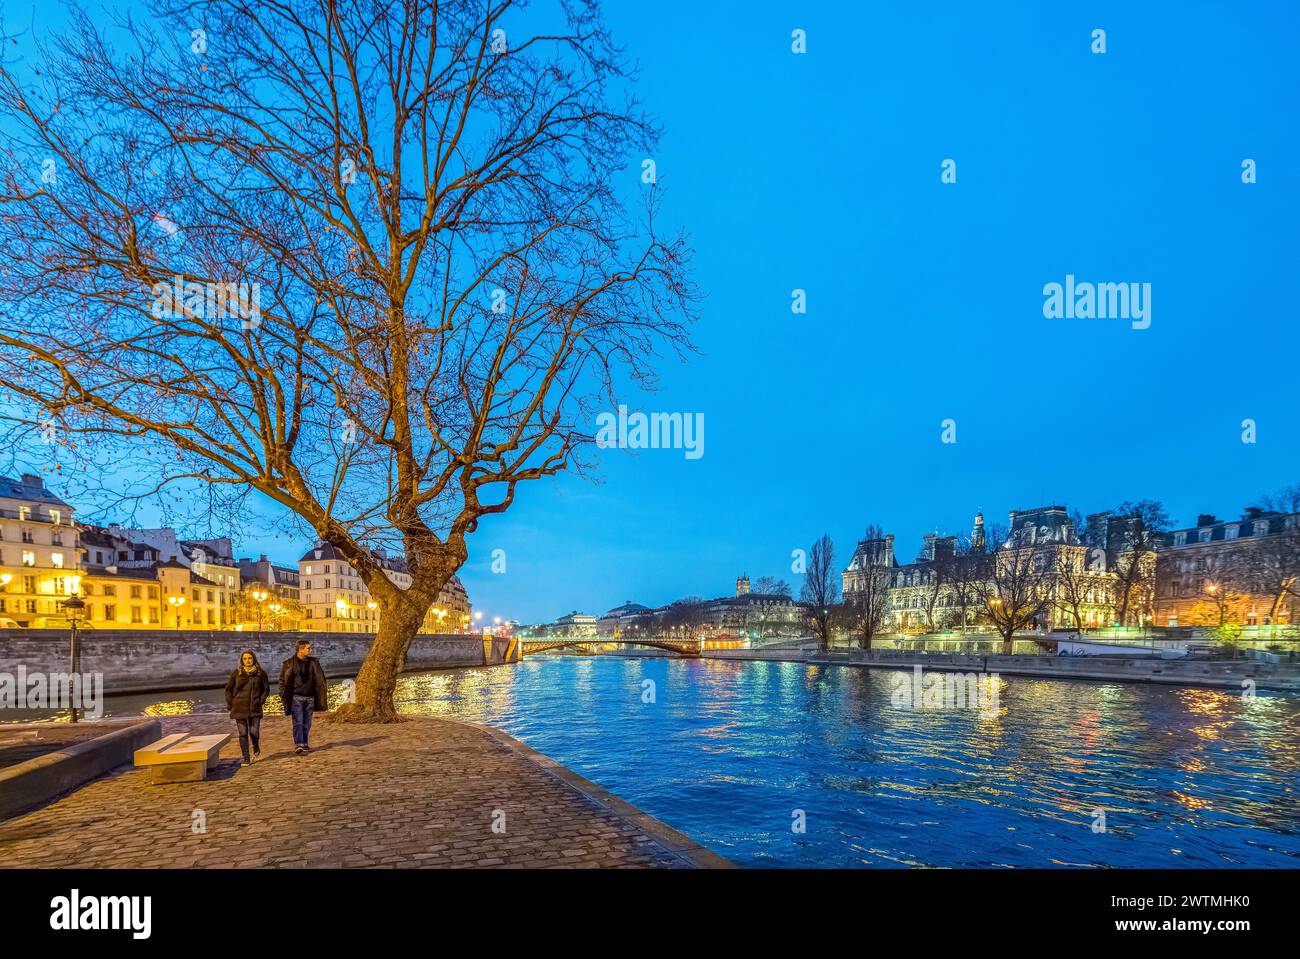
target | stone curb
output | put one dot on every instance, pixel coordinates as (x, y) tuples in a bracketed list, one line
[(681, 845), (39, 780), (1096, 674)]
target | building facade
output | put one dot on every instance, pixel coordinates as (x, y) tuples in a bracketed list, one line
[(39, 545), (945, 587), (335, 600), (1242, 571)]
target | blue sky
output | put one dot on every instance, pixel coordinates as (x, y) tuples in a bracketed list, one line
[(822, 172)]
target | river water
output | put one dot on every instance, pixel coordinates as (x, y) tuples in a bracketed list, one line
[(786, 764)]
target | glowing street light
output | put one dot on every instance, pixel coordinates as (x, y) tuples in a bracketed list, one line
[(176, 602), (260, 596)]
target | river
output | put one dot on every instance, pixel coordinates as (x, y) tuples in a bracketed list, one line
[(786, 764)]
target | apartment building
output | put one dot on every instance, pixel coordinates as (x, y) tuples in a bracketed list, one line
[(39, 545), (335, 600)]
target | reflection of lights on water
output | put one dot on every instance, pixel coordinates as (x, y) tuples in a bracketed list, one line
[(173, 707)]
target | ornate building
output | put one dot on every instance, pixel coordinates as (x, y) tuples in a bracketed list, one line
[(1241, 571), (942, 587)]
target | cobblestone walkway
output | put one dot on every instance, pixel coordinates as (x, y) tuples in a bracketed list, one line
[(420, 793)]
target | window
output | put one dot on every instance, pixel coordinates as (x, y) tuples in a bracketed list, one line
[(210, 597), (194, 595), (56, 539), (153, 615), (31, 605), (29, 584), (56, 516), (212, 618), (153, 592), (56, 560), (135, 592), (1205, 535), (110, 590), (307, 571), (1230, 532), (29, 559), (110, 613), (24, 512), (136, 615), (28, 537)]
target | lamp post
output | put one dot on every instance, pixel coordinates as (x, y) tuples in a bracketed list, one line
[(259, 595), (176, 602), (73, 607), (275, 609)]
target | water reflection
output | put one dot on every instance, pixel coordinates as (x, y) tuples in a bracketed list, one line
[(727, 751)]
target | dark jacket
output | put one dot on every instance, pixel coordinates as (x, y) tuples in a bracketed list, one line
[(245, 693), (287, 675)]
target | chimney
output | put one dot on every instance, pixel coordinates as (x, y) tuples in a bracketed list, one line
[(1206, 519), (31, 479)]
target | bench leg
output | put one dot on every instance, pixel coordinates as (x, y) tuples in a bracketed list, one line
[(180, 772)]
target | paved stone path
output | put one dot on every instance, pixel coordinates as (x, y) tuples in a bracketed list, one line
[(420, 793)]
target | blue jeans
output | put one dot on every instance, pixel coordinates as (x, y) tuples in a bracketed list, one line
[(302, 708)]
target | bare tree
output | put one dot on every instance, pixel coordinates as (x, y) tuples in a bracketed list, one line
[(367, 259), (1143, 524), (1272, 567), (962, 572), (867, 605), (821, 588), (1079, 580), (771, 586), (1015, 587)]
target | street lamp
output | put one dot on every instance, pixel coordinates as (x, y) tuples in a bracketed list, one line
[(260, 596), (275, 609), (73, 607), (176, 602)]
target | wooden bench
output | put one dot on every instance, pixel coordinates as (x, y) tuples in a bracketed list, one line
[(181, 758)]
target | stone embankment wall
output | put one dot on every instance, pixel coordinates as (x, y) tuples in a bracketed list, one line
[(145, 661)]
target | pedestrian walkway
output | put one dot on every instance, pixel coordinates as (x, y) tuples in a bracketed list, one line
[(424, 793)]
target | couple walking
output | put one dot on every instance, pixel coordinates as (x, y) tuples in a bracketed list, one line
[(302, 691)]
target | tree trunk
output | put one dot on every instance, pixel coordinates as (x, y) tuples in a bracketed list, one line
[(377, 679)]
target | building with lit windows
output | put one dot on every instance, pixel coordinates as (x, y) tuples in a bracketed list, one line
[(1233, 571), (335, 600), (39, 545)]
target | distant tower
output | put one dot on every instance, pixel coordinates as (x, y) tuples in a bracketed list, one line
[(742, 584), (977, 542)]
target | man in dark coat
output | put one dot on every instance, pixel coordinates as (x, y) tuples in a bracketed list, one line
[(302, 690), (246, 690)]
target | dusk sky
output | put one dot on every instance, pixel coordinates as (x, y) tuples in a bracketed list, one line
[(822, 172)]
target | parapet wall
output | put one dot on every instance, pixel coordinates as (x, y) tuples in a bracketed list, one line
[(144, 661)]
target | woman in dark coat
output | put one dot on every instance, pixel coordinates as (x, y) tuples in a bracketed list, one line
[(246, 690)]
